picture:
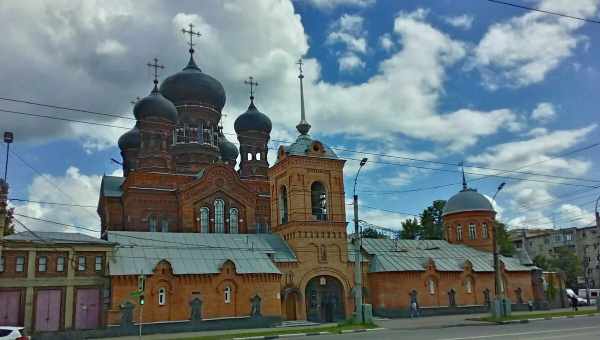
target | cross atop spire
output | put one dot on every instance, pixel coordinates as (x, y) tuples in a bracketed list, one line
[(155, 66), (464, 179), (303, 127), (192, 35), (252, 85)]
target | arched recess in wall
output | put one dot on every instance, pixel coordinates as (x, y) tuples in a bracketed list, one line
[(318, 197), (335, 252), (283, 205)]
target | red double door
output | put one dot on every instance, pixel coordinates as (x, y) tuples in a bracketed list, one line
[(87, 310), (48, 310), (10, 308)]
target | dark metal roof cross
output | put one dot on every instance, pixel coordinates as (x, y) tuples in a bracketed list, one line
[(192, 35), (155, 66), (252, 84)]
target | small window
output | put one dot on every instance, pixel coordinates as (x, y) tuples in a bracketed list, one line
[(472, 232), (98, 263), (60, 264), (1, 264), (257, 156), (204, 220), (219, 216), (249, 156), (459, 235), (283, 206), (20, 264), (81, 263), (164, 224), (485, 231), (227, 294), (431, 286), (162, 296), (42, 264), (469, 286), (152, 222), (233, 221), (319, 201)]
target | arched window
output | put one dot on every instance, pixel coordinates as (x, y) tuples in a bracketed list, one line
[(318, 197), (227, 294), (283, 206), (257, 156), (469, 285), (219, 216), (459, 232), (203, 220), (485, 231), (431, 286), (233, 220), (164, 224), (472, 232), (162, 296), (249, 156), (152, 222)]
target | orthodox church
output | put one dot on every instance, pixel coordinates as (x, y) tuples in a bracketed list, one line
[(255, 237)]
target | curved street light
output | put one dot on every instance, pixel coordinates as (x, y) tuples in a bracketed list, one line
[(359, 317)]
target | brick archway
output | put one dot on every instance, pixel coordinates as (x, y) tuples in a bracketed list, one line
[(324, 299)]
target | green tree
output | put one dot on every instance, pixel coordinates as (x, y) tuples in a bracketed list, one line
[(505, 245), (542, 262), (565, 260), (411, 229), (9, 226), (372, 233), (432, 221)]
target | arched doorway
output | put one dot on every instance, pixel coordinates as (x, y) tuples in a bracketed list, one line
[(324, 299), (290, 306)]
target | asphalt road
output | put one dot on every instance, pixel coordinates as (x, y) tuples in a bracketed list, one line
[(583, 328)]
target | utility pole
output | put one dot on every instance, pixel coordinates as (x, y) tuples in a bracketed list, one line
[(8, 139), (598, 254), (358, 301), (141, 287), (498, 291)]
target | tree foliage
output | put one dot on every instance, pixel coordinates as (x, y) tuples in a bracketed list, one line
[(372, 233), (9, 227), (564, 260), (505, 245), (411, 229), (432, 221)]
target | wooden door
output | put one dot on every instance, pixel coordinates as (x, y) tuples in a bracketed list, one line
[(47, 310), (10, 308), (87, 312), (290, 306)]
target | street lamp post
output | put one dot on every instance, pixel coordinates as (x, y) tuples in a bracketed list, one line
[(598, 255), (359, 318), (498, 293), (8, 139)]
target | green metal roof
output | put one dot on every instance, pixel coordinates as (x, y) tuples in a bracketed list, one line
[(44, 237), (413, 255), (111, 186), (196, 253)]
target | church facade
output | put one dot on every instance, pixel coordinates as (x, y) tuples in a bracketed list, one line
[(258, 239)]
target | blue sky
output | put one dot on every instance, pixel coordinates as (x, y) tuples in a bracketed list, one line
[(440, 81)]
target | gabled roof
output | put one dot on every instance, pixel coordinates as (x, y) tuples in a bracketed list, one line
[(197, 253), (413, 255), (45, 237), (111, 186)]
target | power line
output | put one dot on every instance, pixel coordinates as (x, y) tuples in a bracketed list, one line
[(62, 119), (52, 203), (543, 11), (65, 108)]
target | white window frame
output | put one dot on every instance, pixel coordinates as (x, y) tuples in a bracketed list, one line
[(219, 216), (204, 219), (164, 224), (98, 264), (162, 296), (20, 264), (152, 223), (459, 233), (469, 286), (2, 259), (227, 292), (43, 264), (431, 286), (81, 263), (472, 231), (485, 231), (60, 264), (234, 215)]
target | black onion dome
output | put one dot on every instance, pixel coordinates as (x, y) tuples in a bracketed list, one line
[(130, 139), (155, 106), (253, 119), (191, 85), (229, 151)]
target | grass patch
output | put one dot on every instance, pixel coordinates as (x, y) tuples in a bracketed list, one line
[(538, 315), (343, 326)]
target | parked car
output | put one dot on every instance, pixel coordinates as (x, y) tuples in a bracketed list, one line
[(580, 301), (594, 292), (13, 333)]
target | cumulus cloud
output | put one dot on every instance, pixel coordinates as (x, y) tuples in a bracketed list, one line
[(543, 112), (463, 21), (330, 4), (348, 31), (386, 42), (522, 50), (77, 188)]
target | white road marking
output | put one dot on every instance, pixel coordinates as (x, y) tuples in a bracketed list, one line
[(562, 336), (522, 333)]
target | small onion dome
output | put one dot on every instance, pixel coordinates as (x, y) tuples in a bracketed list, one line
[(229, 151), (191, 85), (467, 200), (130, 139), (252, 119), (155, 106)]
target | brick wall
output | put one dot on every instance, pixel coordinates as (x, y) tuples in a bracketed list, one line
[(10, 262)]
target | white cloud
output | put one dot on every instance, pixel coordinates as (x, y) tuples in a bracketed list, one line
[(386, 42), (350, 61), (522, 50), (463, 21), (330, 4), (77, 188), (348, 31), (536, 132), (543, 112), (572, 215), (110, 47)]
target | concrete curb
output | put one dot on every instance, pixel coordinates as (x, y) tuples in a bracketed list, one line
[(291, 335), (544, 318)]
